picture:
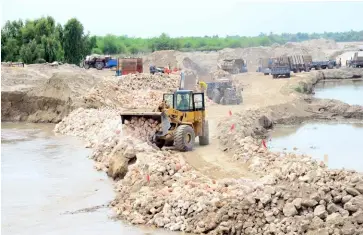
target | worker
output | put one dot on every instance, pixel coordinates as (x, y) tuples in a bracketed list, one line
[(183, 103)]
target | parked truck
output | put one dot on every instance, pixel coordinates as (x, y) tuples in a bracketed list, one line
[(357, 60), (324, 64), (234, 66), (300, 63), (280, 67), (129, 65), (265, 66)]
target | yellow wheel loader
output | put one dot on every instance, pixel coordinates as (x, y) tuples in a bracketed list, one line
[(182, 118)]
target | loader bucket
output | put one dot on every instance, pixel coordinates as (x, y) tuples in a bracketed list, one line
[(161, 117)]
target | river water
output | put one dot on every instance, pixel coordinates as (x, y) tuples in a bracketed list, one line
[(350, 92), (48, 181), (341, 142)]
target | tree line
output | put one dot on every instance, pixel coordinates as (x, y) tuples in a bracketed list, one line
[(42, 40)]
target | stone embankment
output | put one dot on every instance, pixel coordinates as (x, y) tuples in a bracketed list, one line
[(294, 194)]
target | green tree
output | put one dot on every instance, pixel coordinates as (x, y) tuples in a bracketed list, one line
[(32, 52), (73, 41), (10, 50)]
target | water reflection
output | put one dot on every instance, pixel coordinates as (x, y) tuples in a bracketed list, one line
[(341, 142), (350, 92)]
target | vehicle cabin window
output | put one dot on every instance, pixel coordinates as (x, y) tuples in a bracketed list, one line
[(198, 101), (169, 99), (184, 101)]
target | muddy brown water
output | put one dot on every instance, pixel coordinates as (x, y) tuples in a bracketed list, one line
[(49, 186), (350, 91), (341, 142)]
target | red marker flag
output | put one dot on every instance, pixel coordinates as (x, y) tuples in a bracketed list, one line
[(230, 113), (148, 178), (232, 127), (264, 143)]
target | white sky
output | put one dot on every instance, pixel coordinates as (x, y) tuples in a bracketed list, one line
[(147, 18)]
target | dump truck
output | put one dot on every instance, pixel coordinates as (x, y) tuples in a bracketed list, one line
[(222, 91), (129, 65), (234, 66), (280, 67), (323, 64), (182, 118), (264, 66), (357, 60), (300, 63)]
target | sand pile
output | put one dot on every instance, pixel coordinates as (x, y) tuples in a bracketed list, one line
[(154, 187), (43, 92)]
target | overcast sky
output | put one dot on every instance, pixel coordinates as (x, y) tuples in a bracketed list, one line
[(147, 18)]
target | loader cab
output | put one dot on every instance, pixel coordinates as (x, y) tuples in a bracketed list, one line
[(185, 100)]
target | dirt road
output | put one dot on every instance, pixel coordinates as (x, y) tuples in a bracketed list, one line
[(258, 91)]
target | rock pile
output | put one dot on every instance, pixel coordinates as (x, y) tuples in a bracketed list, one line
[(164, 82), (92, 125), (141, 128), (295, 196), (132, 91)]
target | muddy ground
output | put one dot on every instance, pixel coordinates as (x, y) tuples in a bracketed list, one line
[(232, 186)]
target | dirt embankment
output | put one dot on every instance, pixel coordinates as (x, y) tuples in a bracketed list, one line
[(45, 93), (305, 82), (263, 193), (42, 93)]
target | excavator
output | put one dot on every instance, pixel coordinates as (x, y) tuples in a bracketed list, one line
[(182, 117)]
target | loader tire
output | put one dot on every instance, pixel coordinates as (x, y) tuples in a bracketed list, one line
[(184, 138), (169, 143), (204, 140)]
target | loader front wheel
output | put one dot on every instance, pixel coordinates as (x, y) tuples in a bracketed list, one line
[(204, 140), (184, 138), (160, 143)]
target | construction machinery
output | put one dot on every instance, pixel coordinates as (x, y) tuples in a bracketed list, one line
[(357, 60), (99, 62), (153, 69), (234, 66), (324, 64), (264, 66), (280, 67), (222, 91), (300, 63), (182, 118), (129, 65)]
